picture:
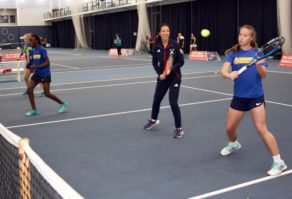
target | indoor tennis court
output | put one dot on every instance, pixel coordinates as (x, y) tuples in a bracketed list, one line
[(98, 148)]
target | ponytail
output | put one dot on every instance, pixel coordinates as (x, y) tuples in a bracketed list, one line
[(234, 48)]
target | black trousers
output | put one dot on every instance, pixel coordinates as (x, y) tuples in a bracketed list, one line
[(119, 48), (173, 85)]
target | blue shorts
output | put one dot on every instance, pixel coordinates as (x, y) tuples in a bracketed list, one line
[(246, 104)]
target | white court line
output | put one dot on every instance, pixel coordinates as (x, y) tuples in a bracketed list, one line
[(281, 104), (86, 82), (239, 186), (228, 94), (99, 68), (104, 86), (62, 53), (109, 80), (113, 114), (145, 82), (279, 72), (209, 91), (66, 66), (135, 59)]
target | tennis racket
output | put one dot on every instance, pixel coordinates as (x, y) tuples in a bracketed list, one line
[(270, 48), (169, 65)]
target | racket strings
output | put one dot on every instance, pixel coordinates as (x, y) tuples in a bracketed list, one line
[(273, 45)]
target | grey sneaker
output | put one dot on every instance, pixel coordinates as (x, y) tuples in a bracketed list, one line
[(151, 124)]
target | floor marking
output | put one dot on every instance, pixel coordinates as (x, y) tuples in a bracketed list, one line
[(112, 114), (66, 66), (279, 72), (228, 94), (62, 53), (109, 80), (126, 58), (93, 68), (239, 186)]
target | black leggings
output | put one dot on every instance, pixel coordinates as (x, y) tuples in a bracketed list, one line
[(119, 48), (173, 84)]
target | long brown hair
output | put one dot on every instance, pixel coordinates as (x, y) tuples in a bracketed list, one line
[(253, 42)]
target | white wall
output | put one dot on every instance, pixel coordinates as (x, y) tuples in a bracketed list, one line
[(64, 3), (29, 12), (8, 3)]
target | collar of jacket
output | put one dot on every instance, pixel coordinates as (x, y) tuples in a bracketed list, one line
[(171, 43)]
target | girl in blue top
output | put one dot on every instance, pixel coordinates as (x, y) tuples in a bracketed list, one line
[(26, 48), (248, 96), (40, 67)]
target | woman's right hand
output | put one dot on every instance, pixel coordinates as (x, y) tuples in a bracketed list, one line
[(234, 75), (162, 77)]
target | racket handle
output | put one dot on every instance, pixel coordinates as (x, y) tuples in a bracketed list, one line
[(242, 70)]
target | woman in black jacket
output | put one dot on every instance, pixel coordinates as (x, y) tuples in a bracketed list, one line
[(163, 50)]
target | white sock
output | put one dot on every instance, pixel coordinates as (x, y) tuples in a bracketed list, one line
[(234, 144), (153, 120), (277, 158)]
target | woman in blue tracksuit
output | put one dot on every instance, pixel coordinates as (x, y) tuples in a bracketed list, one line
[(161, 53), (248, 96)]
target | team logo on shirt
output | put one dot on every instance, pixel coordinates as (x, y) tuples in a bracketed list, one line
[(171, 51), (36, 56), (242, 60)]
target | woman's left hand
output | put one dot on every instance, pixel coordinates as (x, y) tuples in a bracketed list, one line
[(259, 63)]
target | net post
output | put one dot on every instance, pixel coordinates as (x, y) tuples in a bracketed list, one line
[(24, 170)]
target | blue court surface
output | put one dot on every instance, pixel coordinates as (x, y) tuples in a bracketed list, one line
[(100, 148)]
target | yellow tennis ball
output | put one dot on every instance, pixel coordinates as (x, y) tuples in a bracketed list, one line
[(18, 48), (205, 33)]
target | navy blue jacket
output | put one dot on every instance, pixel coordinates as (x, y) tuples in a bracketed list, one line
[(161, 55)]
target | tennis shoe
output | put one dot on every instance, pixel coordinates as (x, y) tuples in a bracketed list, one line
[(277, 168), (178, 133), (32, 113), (42, 94), (151, 123), (25, 92), (63, 107), (230, 149)]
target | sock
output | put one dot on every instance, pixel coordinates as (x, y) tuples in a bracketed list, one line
[(277, 158), (234, 144), (153, 120)]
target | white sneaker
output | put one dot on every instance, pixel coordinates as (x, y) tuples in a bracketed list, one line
[(229, 149), (277, 168)]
